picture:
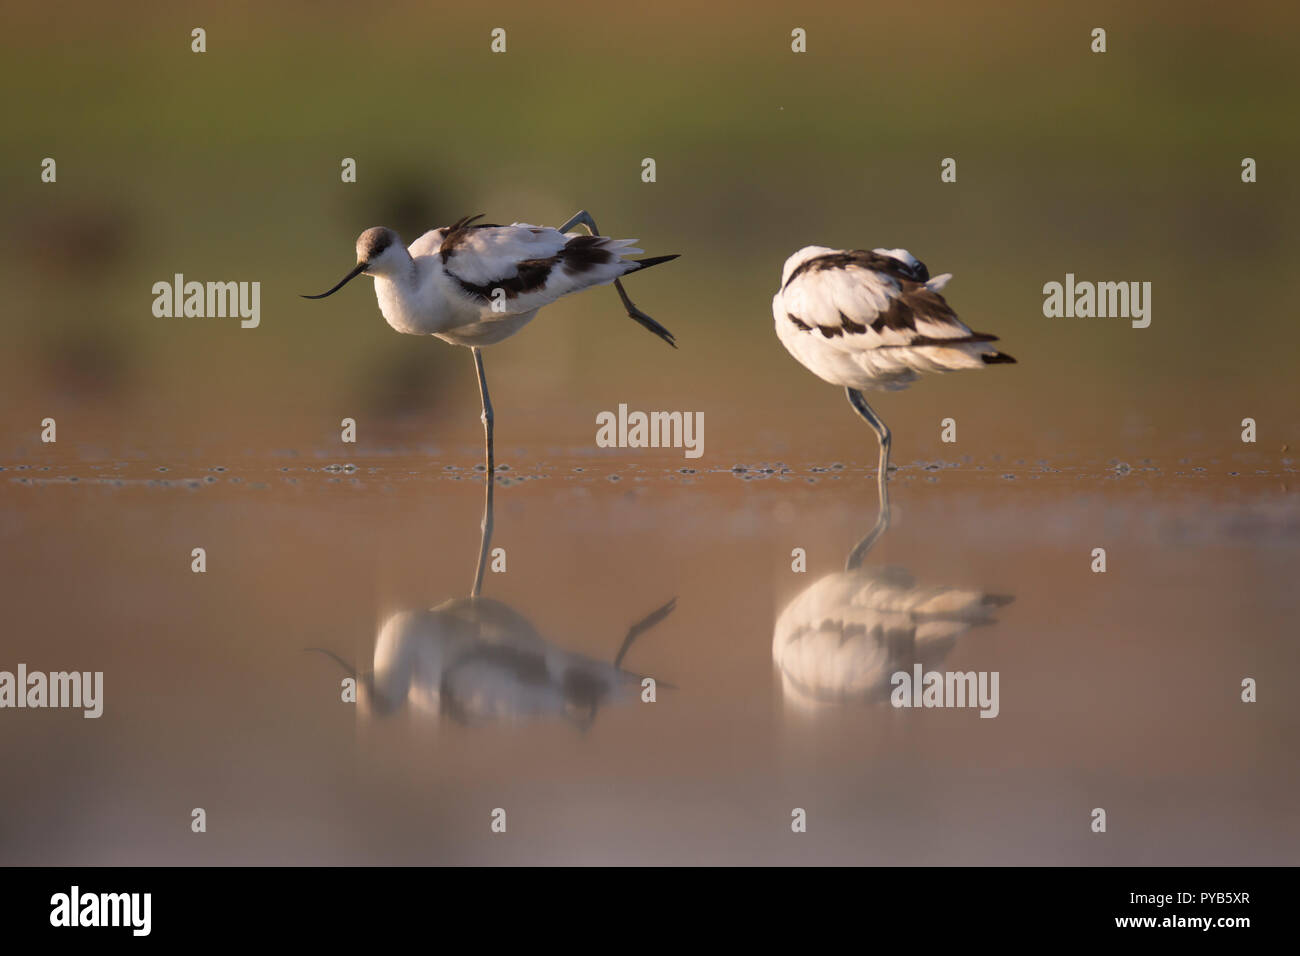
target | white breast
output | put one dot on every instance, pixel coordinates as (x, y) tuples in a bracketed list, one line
[(421, 308)]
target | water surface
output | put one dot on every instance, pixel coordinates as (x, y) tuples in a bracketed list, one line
[(1117, 690)]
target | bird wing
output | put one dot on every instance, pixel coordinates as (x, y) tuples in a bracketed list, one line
[(429, 243), (531, 265), (483, 254), (867, 300)]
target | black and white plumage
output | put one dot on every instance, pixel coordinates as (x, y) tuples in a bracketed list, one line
[(474, 284), (873, 320)]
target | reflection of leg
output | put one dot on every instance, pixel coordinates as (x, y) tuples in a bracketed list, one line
[(854, 560), (366, 680), (641, 626), (860, 406), (583, 218), (490, 477)]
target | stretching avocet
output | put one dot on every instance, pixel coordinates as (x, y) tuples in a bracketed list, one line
[(474, 284), (873, 319)]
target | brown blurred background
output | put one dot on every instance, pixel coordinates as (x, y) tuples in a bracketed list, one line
[(225, 166)]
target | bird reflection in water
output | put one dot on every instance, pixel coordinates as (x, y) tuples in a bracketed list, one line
[(844, 636), (475, 660)]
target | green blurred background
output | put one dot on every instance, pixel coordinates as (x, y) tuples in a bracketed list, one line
[(225, 166)]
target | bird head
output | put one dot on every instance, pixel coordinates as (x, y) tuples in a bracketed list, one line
[(379, 252)]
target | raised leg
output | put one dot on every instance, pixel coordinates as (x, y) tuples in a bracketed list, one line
[(583, 218), (486, 526), (641, 626), (585, 719), (860, 406)]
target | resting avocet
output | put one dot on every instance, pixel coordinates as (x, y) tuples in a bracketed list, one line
[(874, 319)]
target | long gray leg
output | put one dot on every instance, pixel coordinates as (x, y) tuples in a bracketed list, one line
[(583, 218), (860, 406), (486, 540)]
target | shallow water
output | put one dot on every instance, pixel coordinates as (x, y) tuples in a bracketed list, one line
[(1117, 690)]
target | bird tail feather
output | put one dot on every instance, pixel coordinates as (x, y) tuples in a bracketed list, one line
[(643, 264)]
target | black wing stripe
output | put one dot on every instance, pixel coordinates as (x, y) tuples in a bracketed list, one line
[(960, 340), (850, 326), (530, 275), (915, 305), (580, 254), (584, 253)]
